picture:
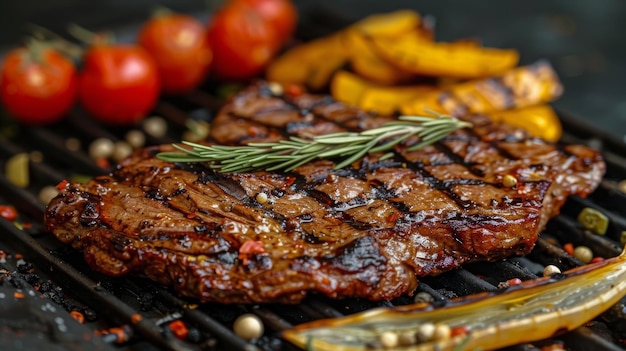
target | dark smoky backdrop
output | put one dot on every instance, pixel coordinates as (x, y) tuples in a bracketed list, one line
[(584, 40)]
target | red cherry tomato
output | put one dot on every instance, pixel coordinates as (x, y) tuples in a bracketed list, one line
[(180, 49), (37, 84), (282, 14), (243, 43), (119, 84)]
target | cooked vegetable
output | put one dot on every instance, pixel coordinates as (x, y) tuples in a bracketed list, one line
[(532, 310), (389, 24), (414, 54), (310, 64), (242, 41), (540, 120), (388, 100), (520, 87), (313, 63), (119, 83), (281, 14), (8, 212), (365, 61), (352, 89), (17, 171), (348, 87), (179, 46), (593, 220), (37, 84)]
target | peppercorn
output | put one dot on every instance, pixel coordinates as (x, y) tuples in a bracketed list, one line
[(101, 148), (135, 138), (155, 126), (248, 326), (509, 181), (550, 270), (583, 253), (388, 340), (261, 198), (442, 332), (425, 332), (47, 193)]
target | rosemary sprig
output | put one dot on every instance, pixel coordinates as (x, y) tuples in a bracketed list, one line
[(291, 153)]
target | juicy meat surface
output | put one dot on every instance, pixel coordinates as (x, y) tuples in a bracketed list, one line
[(369, 230)]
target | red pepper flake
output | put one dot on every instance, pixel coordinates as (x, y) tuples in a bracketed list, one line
[(136, 318), (456, 331), (18, 256), (8, 212), (250, 247), (191, 215), (597, 259), (289, 181), (569, 248), (253, 131), (62, 185), (18, 295), (179, 329), (79, 317), (393, 217), (3, 255), (514, 281), (103, 163), (122, 336), (294, 90)]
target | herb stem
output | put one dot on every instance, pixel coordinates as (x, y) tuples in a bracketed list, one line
[(289, 154)]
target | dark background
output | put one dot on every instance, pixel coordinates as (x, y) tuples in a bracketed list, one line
[(584, 40)]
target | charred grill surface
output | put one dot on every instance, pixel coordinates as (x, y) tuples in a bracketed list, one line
[(369, 230)]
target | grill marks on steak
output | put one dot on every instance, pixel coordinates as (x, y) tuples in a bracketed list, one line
[(368, 230)]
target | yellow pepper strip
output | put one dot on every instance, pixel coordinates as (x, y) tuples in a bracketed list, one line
[(523, 86), (539, 120), (531, 311)]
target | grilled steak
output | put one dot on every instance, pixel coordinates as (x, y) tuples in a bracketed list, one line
[(369, 230)]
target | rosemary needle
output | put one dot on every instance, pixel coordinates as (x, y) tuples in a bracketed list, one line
[(289, 154)]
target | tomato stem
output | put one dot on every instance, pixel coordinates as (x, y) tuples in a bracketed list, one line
[(161, 11), (51, 39), (89, 37), (214, 5), (34, 48)]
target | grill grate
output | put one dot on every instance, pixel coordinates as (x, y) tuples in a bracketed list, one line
[(116, 302)]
